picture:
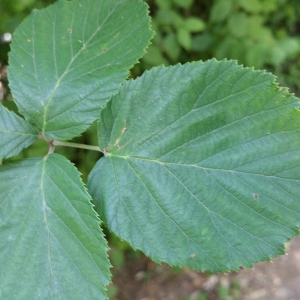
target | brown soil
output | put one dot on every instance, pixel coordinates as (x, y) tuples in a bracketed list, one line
[(278, 280)]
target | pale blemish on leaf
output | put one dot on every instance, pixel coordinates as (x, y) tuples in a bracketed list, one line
[(119, 138)]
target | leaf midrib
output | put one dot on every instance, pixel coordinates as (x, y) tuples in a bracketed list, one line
[(164, 163)]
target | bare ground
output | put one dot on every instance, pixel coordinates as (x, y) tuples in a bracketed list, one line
[(277, 280)]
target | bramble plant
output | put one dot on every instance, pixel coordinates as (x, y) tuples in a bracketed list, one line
[(200, 163)]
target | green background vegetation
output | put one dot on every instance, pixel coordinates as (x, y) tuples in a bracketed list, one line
[(263, 34)]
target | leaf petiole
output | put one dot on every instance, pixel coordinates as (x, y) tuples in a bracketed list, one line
[(76, 145)]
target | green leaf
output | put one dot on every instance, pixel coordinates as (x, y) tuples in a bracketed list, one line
[(202, 165), (171, 46), (69, 58), (253, 6), (51, 246), (194, 24), (169, 17), (183, 3), (220, 10), (163, 4), (202, 42), (238, 24), (184, 38), (270, 6), (285, 48), (15, 133), (257, 55)]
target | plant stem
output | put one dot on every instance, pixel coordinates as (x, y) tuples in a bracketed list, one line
[(75, 145)]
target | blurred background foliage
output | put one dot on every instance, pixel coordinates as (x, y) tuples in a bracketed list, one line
[(264, 34), (12, 12)]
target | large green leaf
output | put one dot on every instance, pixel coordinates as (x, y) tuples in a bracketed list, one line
[(202, 165), (15, 133), (51, 246), (69, 58)]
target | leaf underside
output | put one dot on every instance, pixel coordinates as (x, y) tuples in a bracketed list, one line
[(15, 133), (68, 59), (51, 246), (202, 165)]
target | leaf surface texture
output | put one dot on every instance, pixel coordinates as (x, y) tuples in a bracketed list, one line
[(68, 59), (51, 246), (15, 133), (202, 165)]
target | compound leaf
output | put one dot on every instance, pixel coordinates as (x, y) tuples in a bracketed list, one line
[(15, 133), (51, 246), (201, 165), (68, 59)]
